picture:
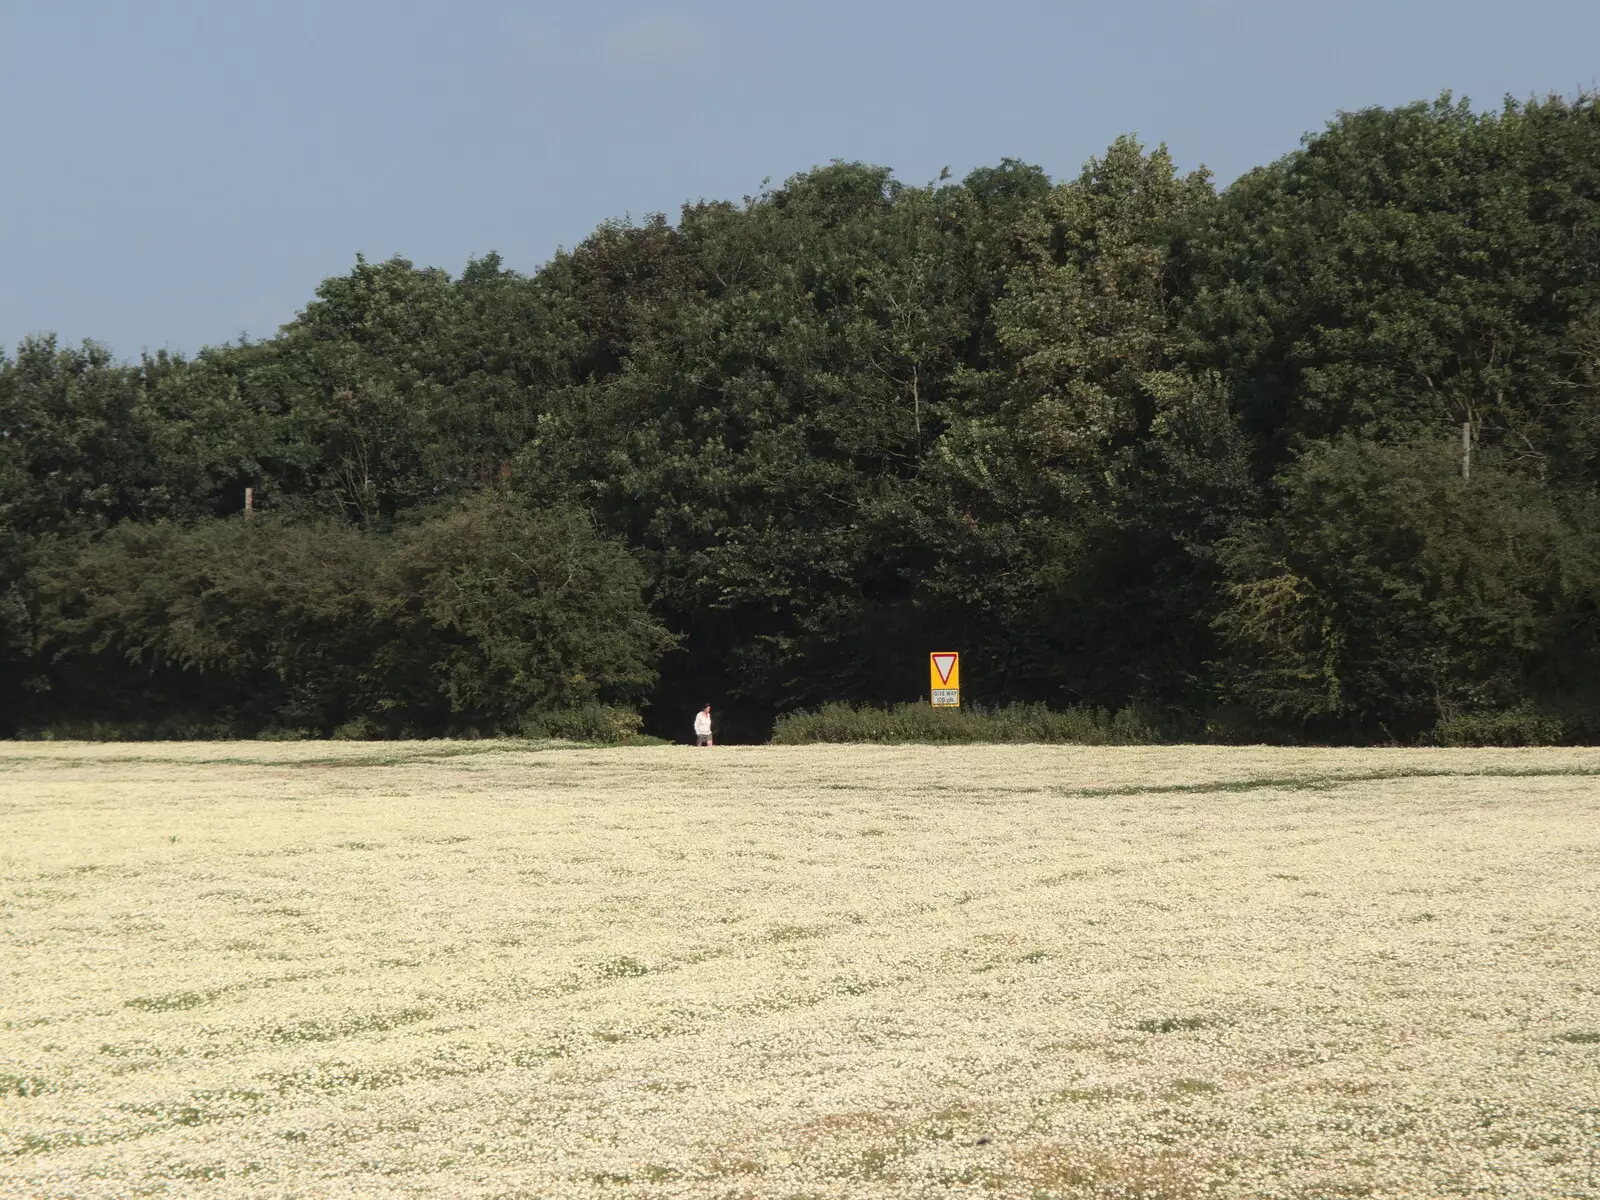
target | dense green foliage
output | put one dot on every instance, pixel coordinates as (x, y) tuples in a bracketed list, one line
[(487, 617), (921, 724), (1123, 440), (1387, 592)]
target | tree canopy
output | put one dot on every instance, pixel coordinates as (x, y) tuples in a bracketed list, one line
[(1124, 439)]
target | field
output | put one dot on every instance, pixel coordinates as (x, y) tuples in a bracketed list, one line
[(489, 969)]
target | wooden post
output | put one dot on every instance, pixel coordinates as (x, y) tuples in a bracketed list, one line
[(1466, 449), (249, 502)]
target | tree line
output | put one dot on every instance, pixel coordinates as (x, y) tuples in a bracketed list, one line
[(1315, 456)]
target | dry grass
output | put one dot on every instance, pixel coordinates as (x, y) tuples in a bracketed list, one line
[(476, 969)]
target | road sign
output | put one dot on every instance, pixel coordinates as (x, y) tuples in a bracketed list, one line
[(944, 678)]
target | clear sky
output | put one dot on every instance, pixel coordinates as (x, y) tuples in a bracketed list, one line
[(176, 172)]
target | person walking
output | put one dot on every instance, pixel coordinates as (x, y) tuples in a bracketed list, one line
[(702, 727)]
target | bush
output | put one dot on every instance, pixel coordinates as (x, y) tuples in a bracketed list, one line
[(173, 728), (604, 723), (453, 625), (922, 723), (1524, 725), (519, 609)]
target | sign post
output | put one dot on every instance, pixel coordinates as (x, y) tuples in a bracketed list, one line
[(944, 679)]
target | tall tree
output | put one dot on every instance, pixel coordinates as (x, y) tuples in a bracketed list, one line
[(1093, 467), (1389, 593), (1411, 270)]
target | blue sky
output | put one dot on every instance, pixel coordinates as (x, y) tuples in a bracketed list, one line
[(176, 173)]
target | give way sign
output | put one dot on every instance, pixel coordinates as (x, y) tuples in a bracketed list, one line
[(944, 679)]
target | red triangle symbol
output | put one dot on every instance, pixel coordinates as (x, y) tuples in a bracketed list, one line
[(944, 664)]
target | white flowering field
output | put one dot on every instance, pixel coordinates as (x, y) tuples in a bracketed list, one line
[(495, 970)]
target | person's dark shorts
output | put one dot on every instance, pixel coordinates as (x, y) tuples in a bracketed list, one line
[(702, 739)]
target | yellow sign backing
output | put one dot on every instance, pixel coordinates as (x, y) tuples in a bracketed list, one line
[(944, 679)]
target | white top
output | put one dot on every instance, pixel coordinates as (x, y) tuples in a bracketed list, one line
[(702, 724)]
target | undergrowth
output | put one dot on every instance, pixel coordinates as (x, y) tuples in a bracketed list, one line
[(921, 723)]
